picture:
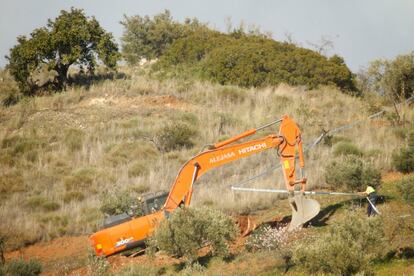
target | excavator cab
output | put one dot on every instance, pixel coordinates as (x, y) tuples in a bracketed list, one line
[(148, 203), (153, 202)]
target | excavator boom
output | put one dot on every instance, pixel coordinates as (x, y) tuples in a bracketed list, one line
[(288, 142)]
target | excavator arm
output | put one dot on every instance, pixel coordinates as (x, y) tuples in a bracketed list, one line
[(129, 234), (287, 142)]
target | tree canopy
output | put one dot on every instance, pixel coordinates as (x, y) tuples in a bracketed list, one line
[(244, 58), (394, 78), (146, 37), (70, 39)]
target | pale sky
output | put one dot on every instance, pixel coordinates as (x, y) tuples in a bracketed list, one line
[(361, 30)]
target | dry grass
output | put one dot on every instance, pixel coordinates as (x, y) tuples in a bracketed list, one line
[(70, 148)]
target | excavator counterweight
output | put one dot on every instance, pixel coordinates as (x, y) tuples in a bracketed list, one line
[(129, 233)]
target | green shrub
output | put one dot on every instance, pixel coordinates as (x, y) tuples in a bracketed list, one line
[(118, 203), (347, 248), (21, 267), (146, 37), (406, 189), (175, 136), (351, 173), (346, 148), (187, 230), (403, 161)]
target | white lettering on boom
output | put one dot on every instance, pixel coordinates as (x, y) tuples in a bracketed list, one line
[(252, 148), (222, 157)]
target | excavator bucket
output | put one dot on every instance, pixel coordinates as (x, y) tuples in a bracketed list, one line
[(303, 210)]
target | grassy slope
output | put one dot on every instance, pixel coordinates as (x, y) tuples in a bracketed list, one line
[(69, 149)]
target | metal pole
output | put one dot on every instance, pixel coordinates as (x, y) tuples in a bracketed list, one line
[(263, 190), (373, 206), (269, 124)]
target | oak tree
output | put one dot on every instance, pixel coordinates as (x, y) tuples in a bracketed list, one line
[(70, 39)]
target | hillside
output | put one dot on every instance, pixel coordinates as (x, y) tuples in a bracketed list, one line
[(67, 158)]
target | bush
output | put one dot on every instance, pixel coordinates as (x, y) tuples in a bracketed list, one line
[(175, 136), (253, 60), (347, 248), (346, 148), (21, 267), (118, 203), (403, 161), (187, 230), (351, 173), (406, 189)]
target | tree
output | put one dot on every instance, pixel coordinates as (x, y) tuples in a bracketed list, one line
[(394, 78), (71, 39), (148, 38)]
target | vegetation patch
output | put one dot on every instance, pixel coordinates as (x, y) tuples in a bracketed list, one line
[(403, 161), (120, 202), (81, 179), (20, 267), (351, 173), (11, 182), (187, 230), (348, 248), (41, 203), (406, 189), (175, 136), (73, 196), (130, 152), (346, 148)]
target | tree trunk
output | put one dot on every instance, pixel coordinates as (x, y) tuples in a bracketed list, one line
[(62, 78)]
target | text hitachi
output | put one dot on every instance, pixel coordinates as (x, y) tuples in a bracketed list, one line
[(252, 148)]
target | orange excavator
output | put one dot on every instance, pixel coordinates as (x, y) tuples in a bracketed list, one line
[(124, 232)]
